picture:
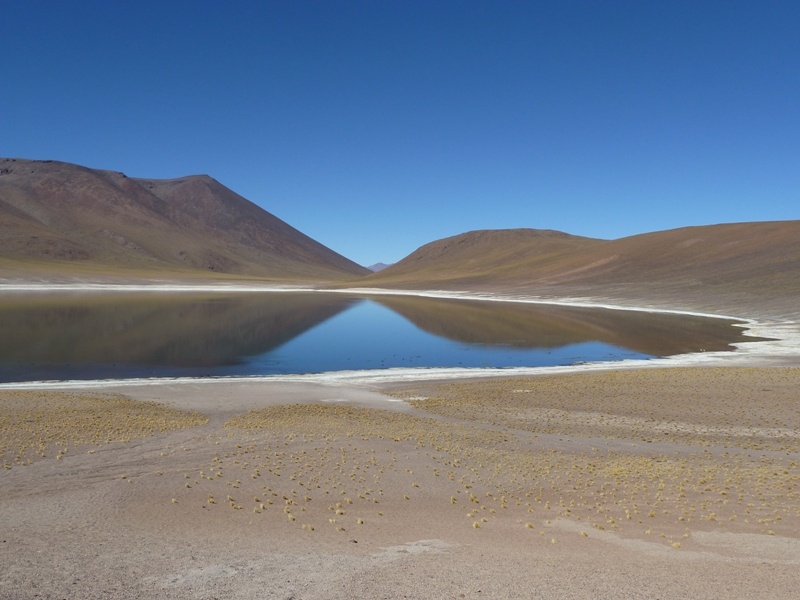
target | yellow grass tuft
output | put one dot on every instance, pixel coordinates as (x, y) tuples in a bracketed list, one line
[(31, 422)]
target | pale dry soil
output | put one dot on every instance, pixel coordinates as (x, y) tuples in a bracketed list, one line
[(657, 483)]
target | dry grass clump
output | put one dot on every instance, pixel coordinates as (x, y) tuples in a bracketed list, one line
[(339, 464), (752, 408), (337, 419), (631, 493), (733, 435), (331, 479), (33, 423), (336, 464)]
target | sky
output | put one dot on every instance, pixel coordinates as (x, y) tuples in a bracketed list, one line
[(378, 126)]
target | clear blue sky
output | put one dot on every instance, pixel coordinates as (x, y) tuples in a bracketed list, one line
[(377, 126)]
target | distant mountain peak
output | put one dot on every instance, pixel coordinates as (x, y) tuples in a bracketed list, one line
[(379, 266)]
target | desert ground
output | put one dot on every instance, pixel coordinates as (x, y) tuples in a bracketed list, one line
[(670, 482)]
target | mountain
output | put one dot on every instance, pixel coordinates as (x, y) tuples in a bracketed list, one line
[(711, 267), (66, 218), (60, 219), (378, 267), (482, 256)]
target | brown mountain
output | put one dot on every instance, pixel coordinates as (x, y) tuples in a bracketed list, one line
[(67, 218), (717, 267), (483, 256), (64, 219)]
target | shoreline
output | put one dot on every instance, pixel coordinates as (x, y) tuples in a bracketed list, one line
[(781, 348)]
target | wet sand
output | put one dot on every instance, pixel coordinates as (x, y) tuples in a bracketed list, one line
[(654, 483)]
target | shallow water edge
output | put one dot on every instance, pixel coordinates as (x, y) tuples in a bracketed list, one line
[(781, 348)]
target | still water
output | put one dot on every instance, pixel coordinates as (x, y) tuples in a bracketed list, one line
[(100, 336)]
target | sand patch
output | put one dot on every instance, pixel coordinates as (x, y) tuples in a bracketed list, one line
[(709, 545)]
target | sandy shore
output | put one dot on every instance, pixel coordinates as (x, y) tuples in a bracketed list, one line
[(671, 482)]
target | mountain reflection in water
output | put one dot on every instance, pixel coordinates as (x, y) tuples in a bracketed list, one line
[(143, 335), (185, 331), (550, 326)]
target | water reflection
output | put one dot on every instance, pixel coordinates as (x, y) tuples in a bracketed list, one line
[(100, 336), (43, 333), (548, 326)]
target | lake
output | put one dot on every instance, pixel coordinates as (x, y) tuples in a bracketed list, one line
[(121, 335)]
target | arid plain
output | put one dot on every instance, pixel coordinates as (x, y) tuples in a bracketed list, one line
[(675, 480), (639, 483)]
